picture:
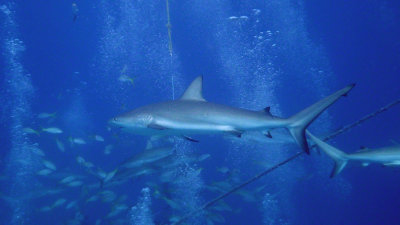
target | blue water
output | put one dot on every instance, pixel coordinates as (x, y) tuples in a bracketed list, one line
[(68, 58)]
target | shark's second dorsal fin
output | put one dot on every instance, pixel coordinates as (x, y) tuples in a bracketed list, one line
[(194, 91), (362, 149), (267, 110)]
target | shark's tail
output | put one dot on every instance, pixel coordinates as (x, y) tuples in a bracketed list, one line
[(338, 156), (298, 123)]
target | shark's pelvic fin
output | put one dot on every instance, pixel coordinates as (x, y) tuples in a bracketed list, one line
[(235, 132), (194, 91), (300, 121), (338, 156), (190, 139), (156, 126)]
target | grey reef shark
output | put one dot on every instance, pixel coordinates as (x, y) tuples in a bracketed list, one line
[(387, 156), (191, 114)]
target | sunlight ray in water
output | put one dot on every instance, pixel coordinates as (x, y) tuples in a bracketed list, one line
[(141, 213), (21, 161)]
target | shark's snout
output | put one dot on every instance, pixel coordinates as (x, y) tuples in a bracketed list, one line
[(113, 121)]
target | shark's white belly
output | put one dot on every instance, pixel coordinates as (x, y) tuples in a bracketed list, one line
[(192, 117)]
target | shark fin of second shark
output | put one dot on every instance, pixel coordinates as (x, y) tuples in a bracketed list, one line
[(195, 90), (300, 121), (338, 156)]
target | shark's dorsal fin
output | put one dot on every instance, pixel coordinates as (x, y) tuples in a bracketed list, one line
[(194, 91)]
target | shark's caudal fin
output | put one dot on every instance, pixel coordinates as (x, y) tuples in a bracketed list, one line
[(299, 122), (338, 156)]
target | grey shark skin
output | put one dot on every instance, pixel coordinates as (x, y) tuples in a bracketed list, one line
[(191, 114), (388, 156)]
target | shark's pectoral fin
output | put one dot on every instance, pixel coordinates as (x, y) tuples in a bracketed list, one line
[(394, 163), (189, 138), (156, 126)]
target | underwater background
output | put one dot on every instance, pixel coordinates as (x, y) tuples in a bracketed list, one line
[(68, 67)]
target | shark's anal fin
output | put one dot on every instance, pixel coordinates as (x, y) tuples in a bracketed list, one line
[(189, 138), (362, 149), (156, 126), (268, 134)]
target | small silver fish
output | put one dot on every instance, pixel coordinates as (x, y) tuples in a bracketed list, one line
[(117, 209), (171, 203), (108, 196), (67, 179), (46, 115), (38, 151), (80, 160), (52, 130), (29, 130), (223, 169), (45, 209), (49, 165), (93, 198), (88, 164), (107, 149), (59, 202), (126, 78), (203, 157), (76, 183), (98, 138), (44, 172), (60, 145), (110, 175), (72, 204), (78, 141)]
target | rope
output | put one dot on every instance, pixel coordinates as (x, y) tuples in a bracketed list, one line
[(170, 48), (269, 170), (169, 30)]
